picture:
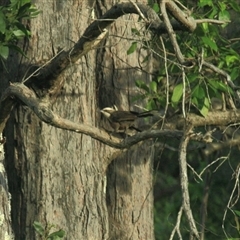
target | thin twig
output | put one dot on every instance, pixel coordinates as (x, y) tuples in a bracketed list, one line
[(184, 92), (209, 165), (167, 79), (177, 225), (139, 12), (50, 60), (229, 205)]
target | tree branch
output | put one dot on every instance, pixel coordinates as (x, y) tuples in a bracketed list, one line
[(184, 181), (46, 77), (213, 118), (43, 111)]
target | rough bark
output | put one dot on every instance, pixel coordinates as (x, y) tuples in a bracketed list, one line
[(60, 177), (130, 210)]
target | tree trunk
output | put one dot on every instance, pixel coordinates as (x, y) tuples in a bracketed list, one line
[(64, 178)]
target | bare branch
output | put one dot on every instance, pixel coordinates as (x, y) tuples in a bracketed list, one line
[(184, 18), (213, 147), (139, 12), (43, 111), (205, 20), (171, 33), (231, 202), (216, 118), (184, 182), (177, 225)]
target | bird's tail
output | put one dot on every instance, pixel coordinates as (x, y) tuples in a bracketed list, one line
[(145, 114)]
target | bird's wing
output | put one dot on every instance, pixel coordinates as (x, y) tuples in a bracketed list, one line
[(121, 116)]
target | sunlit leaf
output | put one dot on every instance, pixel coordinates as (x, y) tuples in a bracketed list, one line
[(38, 228), (222, 6), (18, 33), (205, 108), (209, 42), (177, 93), (155, 7), (230, 59), (224, 16), (237, 213), (203, 3), (153, 86), (59, 234)]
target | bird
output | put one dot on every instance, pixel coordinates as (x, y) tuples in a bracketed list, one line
[(121, 121)]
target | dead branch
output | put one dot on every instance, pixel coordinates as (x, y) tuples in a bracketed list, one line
[(177, 225), (184, 181)]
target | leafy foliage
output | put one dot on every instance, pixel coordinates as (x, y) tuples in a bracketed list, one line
[(210, 42), (45, 234), (11, 27), (221, 47)]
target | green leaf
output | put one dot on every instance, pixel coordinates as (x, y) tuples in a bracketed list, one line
[(177, 93), (4, 51), (24, 10), (132, 48), (56, 235), (235, 6), (224, 15), (2, 22), (194, 101), (205, 28), (209, 42), (18, 33), (237, 213), (205, 108), (222, 6), (192, 77), (142, 85), (218, 85), (38, 228), (17, 49), (23, 2), (235, 73), (230, 59), (198, 92), (203, 3), (155, 7), (151, 104), (146, 59), (153, 86), (135, 31)]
